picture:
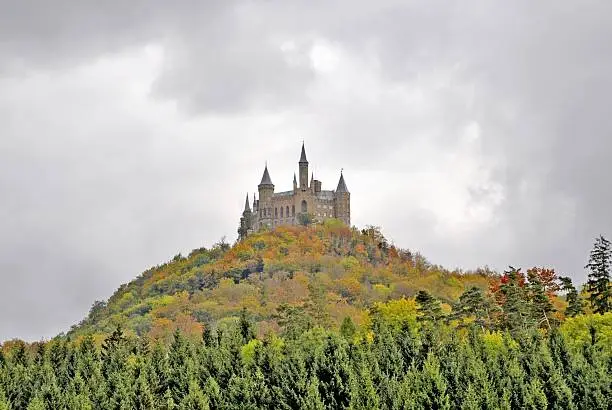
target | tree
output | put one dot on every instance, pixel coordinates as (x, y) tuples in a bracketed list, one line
[(4, 403), (575, 304), (195, 399), (540, 289), (429, 307), (348, 329), (511, 295), (473, 303), (305, 218), (598, 284), (246, 326)]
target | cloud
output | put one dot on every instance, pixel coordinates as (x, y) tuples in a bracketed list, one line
[(476, 134)]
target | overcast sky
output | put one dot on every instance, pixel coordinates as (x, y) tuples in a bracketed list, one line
[(478, 133)]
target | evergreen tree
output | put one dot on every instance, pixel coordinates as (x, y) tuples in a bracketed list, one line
[(312, 400), (36, 403), (541, 305), (429, 307), (432, 388), (598, 284), (4, 403), (575, 305), (181, 367), (473, 303), (348, 329), (332, 371), (246, 326), (514, 301), (195, 399)]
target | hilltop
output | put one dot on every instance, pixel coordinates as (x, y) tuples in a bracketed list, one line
[(328, 271)]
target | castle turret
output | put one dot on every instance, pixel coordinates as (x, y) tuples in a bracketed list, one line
[(266, 191), (247, 206), (342, 199), (303, 170), (312, 182), (246, 221), (295, 185)]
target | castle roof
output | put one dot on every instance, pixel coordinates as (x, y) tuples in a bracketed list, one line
[(303, 156), (247, 206), (265, 179), (341, 184)]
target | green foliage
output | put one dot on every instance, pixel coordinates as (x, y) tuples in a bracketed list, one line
[(393, 364), (429, 307), (575, 304), (341, 329), (473, 305), (598, 284)]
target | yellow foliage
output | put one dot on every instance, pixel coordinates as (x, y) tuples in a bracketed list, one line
[(247, 353), (397, 312), (577, 330)]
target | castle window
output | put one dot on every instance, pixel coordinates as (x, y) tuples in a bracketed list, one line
[(304, 206), (281, 211), (287, 212), (276, 212), (292, 210)]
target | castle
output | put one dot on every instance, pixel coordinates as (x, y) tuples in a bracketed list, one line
[(304, 204)]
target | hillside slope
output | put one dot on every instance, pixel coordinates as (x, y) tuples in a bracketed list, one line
[(329, 270)]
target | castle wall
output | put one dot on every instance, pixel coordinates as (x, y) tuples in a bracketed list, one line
[(284, 209)]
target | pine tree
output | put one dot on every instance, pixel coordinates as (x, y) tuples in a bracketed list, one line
[(195, 399), (575, 305), (348, 329), (429, 307), (332, 371), (246, 326), (598, 284), (470, 399), (4, 403), (432, 387), (514, 301), (473, 303), (36, 403), (541, 306), (312, 399)]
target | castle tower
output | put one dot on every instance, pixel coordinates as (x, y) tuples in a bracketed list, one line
[(303, 170), (342, 199), (266, 191), (246, 220)]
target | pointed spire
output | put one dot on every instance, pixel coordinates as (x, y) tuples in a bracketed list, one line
[(341, 184), (247, 207), (265, 179), (303, 156), (254, 201), (294, 179), (311, 178)]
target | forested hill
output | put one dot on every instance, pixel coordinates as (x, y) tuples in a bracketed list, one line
[(326, 317), (328, 272)]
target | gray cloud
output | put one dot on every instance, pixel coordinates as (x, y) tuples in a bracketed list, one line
[(476, 134)]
